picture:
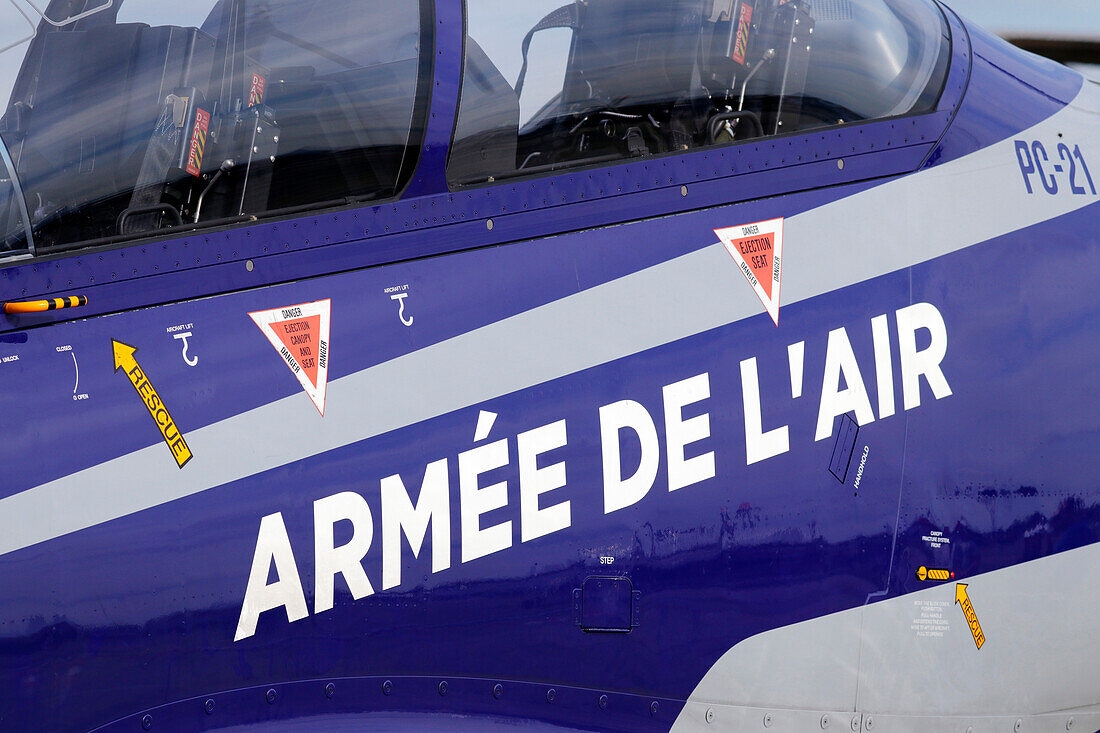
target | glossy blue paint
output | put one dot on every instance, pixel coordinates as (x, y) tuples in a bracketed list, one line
[(758, 547), (411, 704), (1008, 91), (1016, 479), (150, 601)]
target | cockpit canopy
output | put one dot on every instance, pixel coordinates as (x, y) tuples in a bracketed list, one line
[(127, 118), (597, 80)]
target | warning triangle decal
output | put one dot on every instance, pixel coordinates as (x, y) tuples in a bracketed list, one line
[(758, 251), (300, 334)]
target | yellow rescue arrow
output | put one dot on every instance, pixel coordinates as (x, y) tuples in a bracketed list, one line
[(968, 610), (124, 359)]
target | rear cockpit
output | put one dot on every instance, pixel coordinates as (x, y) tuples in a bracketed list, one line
[(602, 80)]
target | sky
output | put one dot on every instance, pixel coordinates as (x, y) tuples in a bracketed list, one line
[(1038, 17), (1076, 18)]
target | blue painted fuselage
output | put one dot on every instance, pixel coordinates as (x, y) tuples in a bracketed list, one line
[(558, 305)]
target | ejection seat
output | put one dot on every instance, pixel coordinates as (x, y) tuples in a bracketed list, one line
[(83, 137)]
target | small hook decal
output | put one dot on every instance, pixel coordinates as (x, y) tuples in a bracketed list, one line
[(400, 298), (189, 360)]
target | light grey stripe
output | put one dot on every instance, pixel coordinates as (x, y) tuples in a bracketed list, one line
[(881, 230), (1039, 657)]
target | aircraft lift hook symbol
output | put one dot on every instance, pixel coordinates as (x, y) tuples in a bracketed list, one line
[(400, 298), (189, 360)]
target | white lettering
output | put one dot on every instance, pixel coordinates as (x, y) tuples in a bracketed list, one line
[(862, 465), (758, 444), (618, 492), (475, 501), (535, 481), (625, 422), (680, 433), (272, 546), (400, 515), (346, 560), (927, 362), (884, 366), (840, 360), (796, 357)]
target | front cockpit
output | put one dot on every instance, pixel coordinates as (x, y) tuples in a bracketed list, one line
[(140, 115)]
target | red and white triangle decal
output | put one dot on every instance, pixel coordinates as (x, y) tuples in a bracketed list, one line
[(758, 251), (300, 334)]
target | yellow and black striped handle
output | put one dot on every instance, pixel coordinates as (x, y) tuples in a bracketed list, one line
[(41, 306)]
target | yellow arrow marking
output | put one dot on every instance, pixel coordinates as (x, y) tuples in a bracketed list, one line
[(968, 610), (124, 359)]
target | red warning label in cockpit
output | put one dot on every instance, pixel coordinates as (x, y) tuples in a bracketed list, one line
[(741, 42), (256, 90), (300, 334), (198, 141), (758, 251)]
